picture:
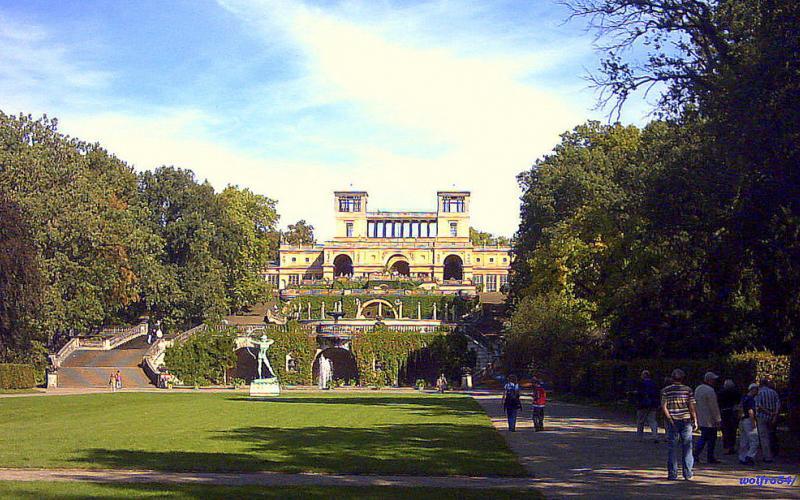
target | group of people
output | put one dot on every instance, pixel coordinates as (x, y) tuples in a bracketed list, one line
[(115, 381), (754, 415), (512, 403)]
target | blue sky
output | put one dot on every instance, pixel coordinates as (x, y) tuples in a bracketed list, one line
[(297, 99)]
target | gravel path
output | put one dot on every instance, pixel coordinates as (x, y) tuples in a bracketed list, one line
[(592, 452)]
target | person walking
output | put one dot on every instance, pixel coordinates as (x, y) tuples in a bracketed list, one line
[(729, 397), (119, 380), (441, 383), (511, 402), (748, 428), (768, 405), (112, 381), (708, 417), (646, 406), (678, 407), (539, 402)]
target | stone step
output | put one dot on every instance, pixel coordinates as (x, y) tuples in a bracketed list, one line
[(77, 377)]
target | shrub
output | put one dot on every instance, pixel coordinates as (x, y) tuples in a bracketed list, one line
[(17, 376), (614, 379), (555, 334), (204, 357)]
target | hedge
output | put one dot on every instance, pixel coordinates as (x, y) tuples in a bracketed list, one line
[(301, 345), (350, 306), (391, 350), (17, 376), (614, 379)]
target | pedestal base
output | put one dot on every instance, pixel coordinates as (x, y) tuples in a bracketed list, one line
[(265, 387)]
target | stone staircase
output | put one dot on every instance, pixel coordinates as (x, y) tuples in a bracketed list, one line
[(92, 367)]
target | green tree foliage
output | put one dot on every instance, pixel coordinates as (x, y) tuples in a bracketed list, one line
[(732, 67), (107, 245), (683, 237), (251, 238), (204, 358), (299, 233), (555, 332), (482, 238), (20, 285), (76, 199)]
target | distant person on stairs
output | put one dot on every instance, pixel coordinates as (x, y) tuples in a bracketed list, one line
[(511, 402)]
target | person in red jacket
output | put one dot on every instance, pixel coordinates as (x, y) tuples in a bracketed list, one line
[(539, 402)]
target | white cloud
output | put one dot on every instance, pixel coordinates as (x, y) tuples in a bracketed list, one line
[(36, 70), (494, 126), (396, 74)]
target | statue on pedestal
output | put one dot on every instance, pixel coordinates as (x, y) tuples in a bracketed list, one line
[(263, 346), (264, 386)]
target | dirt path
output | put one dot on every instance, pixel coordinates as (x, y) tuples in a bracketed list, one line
[(587, 451)]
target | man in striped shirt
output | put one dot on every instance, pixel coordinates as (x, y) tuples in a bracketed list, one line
[(768, 405), (678, 406)]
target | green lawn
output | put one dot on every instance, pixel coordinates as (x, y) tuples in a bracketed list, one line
[(341, 432), (65, 490)]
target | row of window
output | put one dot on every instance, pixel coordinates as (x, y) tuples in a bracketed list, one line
[(350, 204), (401, 229), (453, 204), (490, 282), (491, 259)]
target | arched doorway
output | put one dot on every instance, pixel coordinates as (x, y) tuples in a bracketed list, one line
[(453, 268), (376, 308), (398, 264), (401, 268), (342, 266), (343, 363)]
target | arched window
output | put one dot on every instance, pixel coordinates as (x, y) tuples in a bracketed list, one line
[(342, 266), (453, 268)]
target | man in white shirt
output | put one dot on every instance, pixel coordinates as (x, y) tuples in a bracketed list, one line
[(708, 417)]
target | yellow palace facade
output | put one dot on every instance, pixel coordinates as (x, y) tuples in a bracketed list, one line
[(432, 247)]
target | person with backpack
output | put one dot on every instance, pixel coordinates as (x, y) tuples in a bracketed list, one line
[(539, 402), (511, 402), (647, 403)]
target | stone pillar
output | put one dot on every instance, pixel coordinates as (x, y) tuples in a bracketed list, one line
[(322, 311), (419, 310)]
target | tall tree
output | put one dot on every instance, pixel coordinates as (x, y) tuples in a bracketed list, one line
[(299, 233), (251, 237), (20, 284)]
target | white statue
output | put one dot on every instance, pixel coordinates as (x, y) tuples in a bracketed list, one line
[(262, 359)]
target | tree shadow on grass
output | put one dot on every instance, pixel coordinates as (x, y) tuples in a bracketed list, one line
[(423, 405), (418, 449)]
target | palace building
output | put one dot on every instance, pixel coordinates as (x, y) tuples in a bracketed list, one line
[(431, 247)]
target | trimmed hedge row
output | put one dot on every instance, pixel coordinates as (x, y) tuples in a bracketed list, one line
[(17, 376), (350, 306), (614, 379)]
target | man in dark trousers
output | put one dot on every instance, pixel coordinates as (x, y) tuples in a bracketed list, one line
[(647, 401)]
